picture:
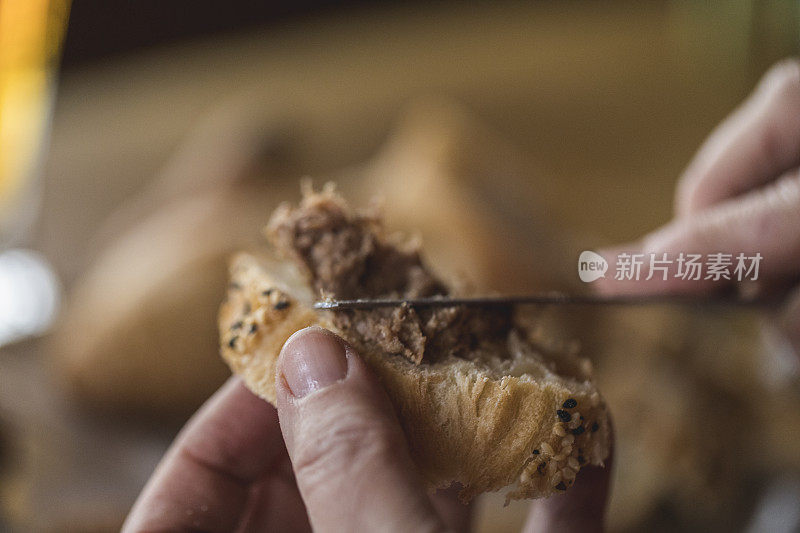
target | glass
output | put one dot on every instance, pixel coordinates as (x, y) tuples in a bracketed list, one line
[(31, 35)]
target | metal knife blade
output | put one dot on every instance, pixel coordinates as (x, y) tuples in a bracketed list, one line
[(553, 298)]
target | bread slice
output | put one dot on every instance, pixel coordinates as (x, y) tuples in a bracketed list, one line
[(480, 401)]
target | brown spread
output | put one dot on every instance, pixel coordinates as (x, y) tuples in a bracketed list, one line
[(348, 255)]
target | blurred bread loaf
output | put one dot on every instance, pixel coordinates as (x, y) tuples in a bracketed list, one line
[(474, 199), (148, 295), (142, 304)]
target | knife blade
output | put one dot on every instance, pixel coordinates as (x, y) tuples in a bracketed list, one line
[(553, 298)]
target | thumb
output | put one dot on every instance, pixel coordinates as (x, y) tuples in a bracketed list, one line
[(348, 452)]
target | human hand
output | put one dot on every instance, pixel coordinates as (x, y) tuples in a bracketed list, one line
[(740, 194), (341, 463)]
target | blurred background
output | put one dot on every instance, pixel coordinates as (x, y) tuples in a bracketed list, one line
[(158, 138)]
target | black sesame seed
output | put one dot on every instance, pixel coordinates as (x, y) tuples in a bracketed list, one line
[(570, 404), (266, 292), (563, 415), (236, 325), (536, 452), (581, 459), (578, 430), (253, 328), (595, 427), (561, 486), (283, 304), (541, 466), (232, 342)]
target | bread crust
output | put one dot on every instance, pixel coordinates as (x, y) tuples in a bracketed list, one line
[(516, 419)]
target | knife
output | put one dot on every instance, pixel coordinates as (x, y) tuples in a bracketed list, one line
[(554, 298)]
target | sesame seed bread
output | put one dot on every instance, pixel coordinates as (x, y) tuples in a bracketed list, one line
[(488, 415)]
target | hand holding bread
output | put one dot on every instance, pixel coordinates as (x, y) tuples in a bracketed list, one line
[(345, 465), (378, 408)]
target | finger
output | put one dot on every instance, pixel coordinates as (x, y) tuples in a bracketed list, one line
[(758, 142), (581, 509), (203, 482), (349, 454), (456, 515), (763, 222)]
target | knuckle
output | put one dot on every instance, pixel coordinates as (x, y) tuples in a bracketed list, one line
[(342, 449), (782, 81), (706, 231), (778, 100), (772, 142)]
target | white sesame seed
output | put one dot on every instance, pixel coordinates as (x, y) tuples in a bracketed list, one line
[(559, 430), (573, 463)]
